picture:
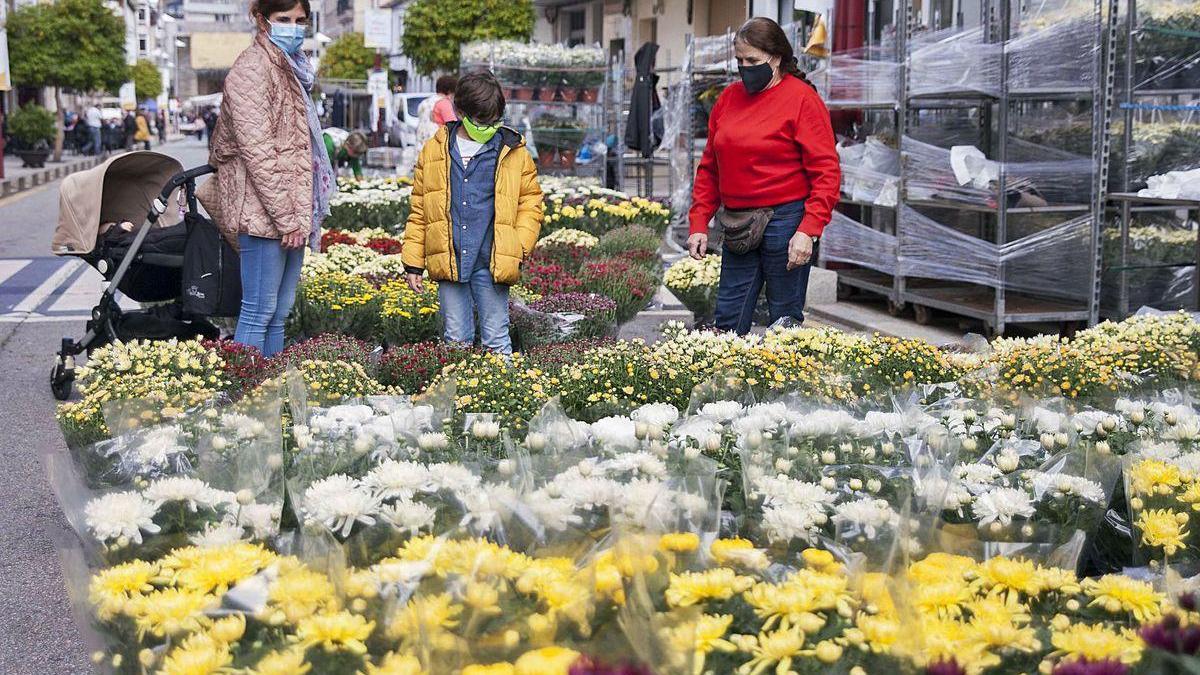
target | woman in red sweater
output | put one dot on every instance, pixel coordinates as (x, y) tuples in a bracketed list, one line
[(770, 146)]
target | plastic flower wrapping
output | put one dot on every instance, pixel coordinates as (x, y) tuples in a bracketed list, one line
[(800, 501)]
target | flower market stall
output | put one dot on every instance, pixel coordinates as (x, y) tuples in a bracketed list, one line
[(801, 501)]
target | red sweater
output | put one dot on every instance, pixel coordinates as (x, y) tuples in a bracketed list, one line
[(768, 149)]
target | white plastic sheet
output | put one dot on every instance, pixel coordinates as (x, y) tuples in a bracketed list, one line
[(849, 241)]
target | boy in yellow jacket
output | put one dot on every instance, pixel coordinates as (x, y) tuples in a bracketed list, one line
[(476, 214)]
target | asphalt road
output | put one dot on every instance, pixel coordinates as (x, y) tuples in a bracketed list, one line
[(42, 299)]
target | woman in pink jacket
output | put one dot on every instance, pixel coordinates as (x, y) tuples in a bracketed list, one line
[(274, 179)]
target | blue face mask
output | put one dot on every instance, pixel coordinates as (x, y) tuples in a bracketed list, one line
[(287, 36)]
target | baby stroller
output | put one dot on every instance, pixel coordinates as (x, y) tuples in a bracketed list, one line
[(175, 258)]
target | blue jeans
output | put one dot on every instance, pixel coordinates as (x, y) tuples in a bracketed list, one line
[(743, 276), (270, 274), (95, 145), (460, 302)]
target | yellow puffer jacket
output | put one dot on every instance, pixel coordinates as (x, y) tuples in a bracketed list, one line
[(428, 243)]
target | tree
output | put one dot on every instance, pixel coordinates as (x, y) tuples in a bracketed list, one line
[(76, 44), (435, 29), (347, 59), (147, 81)]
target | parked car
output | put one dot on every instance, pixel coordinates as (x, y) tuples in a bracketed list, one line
[(403, 133)]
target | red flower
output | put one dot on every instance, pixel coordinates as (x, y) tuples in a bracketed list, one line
[(331, 237)]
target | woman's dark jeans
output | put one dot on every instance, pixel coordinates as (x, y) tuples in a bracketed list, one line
[(743, 276)]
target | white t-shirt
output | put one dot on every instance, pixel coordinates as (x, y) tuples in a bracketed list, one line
[(467, 148), (93, 117)]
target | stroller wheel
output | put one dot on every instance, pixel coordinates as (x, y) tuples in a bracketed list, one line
[(61, 381)]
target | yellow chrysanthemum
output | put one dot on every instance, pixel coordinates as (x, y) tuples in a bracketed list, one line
[(490, 669), (111, 588), (425, 615), (197, 655), (1095, 643), (546, 661), (679, 542), (1151, 476), (739, 553), (394, 663), (798, 599), (283, 662), (300, 592), (1161, 529), (335, 631), (217, 568), (690, 588), (939, 566), (1118, 593), (170, 611), (1002, 575), (944, 598), (770, 648)]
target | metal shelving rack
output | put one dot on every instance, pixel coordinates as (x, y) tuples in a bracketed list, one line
[(603, 115), (1126, 203), (997, 304)]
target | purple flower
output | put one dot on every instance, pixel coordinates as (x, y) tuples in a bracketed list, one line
[(1171, 636), (579, 303), (1085, 667)]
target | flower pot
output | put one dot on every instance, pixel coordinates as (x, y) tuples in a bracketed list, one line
[(589, 94), (567, 159), (523, 93), (568, 94), (34, 159)]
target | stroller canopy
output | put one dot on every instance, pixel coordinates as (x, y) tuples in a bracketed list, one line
[(122, 188)]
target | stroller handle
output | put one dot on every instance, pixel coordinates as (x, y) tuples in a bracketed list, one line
[(185, 177)]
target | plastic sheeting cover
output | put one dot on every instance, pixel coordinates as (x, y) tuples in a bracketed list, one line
[(849, 241), (1049, 259)]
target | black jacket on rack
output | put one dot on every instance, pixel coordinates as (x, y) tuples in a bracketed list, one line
[(640, 132)]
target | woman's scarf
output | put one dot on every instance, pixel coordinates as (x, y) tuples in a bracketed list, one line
[(324, 180)]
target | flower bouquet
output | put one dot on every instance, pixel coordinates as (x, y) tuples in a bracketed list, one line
[(694, 282)]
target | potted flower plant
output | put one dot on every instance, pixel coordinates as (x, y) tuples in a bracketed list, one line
[(32, 126)]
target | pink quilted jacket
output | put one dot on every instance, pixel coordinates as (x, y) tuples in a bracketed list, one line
[(261, 149)]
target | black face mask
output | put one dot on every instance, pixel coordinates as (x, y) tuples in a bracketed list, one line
[(756, 78)]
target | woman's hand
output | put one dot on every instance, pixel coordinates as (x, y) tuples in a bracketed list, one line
[(415, 282), (800, 250), (698, 245), (293, 240)]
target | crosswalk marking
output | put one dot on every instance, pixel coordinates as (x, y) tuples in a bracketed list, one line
[(11, 267), (50, 289)]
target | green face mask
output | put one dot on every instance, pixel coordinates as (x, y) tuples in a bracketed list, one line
[(477, 133)]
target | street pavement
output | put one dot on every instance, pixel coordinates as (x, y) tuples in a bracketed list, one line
[(42, 299)]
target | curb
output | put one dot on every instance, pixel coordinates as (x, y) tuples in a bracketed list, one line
[(817, 312), (12, 186)]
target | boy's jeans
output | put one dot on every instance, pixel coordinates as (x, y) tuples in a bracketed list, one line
[(460, 301)]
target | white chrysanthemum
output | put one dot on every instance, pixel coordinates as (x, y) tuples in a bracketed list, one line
[(217, 534), (193, 491), (1088, 421), (454, 478), (1048, 421), (790, 493), (698, 429), (616, 431), (341, 419), (486, 508), (158, 444), (261, 519), (408, 516), (864, 516), (940, 493), (659, 414), (1001, 505), (875, 423), (722, 411), (641, 500), (1126, 406), (121, 515), (1185, 430), (398, 578), (1189, 463), (338, 502), (977, 477), (413, 421), (1160, 450), (553, 514), (242, 426), (759, 418), (583, 492), (642, 463), (1060, 484), (823, 423), (392, 479), (784, 525)]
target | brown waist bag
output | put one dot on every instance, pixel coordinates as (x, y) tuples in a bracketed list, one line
[(743, 228)]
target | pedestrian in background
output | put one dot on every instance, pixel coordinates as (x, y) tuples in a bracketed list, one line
[(95, 124), (770, 173), (129, 128), (435, 111), (273, 180), (142, 133), (162, 127), (210, 124), (473, 239)]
